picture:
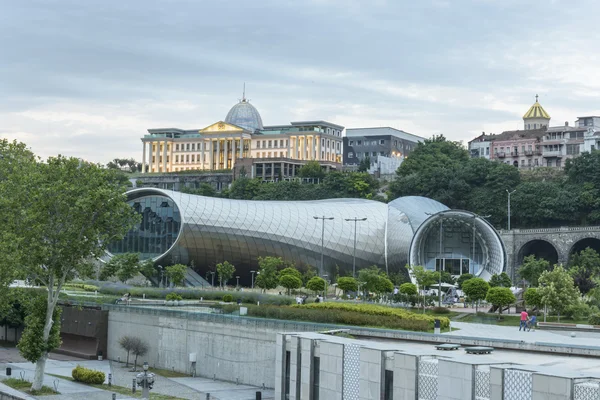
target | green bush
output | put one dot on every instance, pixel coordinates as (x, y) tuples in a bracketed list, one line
[(441, 310), (173, 296), (247, 297), (594, 319), (228, 298), (90, 376)]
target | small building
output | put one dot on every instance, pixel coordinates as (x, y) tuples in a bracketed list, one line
[(360, 143), (591, 139)]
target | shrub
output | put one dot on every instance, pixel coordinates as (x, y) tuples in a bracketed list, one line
[(228, 298), (408, 289), (594, 319), (89, 376), (441, 310), (173, 296), (117, 289), (381, 311)]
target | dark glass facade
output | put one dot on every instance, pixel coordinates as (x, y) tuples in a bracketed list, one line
[(157, 231)]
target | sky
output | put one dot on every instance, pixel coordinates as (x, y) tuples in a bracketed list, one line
[(88, 78)]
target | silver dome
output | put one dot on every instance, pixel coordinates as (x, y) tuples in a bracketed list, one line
[(245, 115)]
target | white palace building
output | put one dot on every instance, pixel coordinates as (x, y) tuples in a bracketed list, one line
[(268, 151)]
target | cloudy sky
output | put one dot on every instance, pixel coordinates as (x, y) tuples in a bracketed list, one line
[(87, 78)]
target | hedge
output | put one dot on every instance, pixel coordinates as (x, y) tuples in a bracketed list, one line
[(90, 376), (194, 294), (173, 296), (381, 311)]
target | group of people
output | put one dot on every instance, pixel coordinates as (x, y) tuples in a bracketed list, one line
[(301, 299), (527, 322)]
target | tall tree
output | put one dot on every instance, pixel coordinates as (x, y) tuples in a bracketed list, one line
[(558, 290), (72, 210), (267, 277), (532, 268), (225, 270), (476, 290), (176, 273)]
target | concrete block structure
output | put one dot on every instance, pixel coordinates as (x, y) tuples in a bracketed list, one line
[(392, 371)]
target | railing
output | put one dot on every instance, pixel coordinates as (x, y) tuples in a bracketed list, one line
[(517, 384), (514, 153), (553, 153), (586, 389), (528, 152), (555, 230), (501, 154)]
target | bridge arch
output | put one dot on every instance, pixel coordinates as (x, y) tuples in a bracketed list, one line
[(540, 249), (582, 244)]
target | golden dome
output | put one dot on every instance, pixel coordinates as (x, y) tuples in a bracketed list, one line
[(536, 111)]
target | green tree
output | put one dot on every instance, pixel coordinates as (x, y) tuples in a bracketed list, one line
[(31, 346), (364, 164), (73, 210), (532, 268), (476, 290), (267, 272), (290, 271), (244, 188), (500, 297), (290, 282), (225, 270), (502, 280), (311, 169), (533, 298), (347, 284), (424, 277), (461, 279), (129, 266), (308, 273), (176, 273), (316, 284), (558, 290), (588, 259), (409, 289)]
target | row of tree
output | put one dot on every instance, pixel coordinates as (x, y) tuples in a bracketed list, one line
[(544, 197)]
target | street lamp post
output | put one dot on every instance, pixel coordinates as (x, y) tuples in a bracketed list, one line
[(323, 218), (146, 381), (252, 272), (355, 220), (238, 281), (213, 279), (325, 279), (509, 193)]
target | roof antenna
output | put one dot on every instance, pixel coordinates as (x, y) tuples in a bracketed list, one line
[(244, 93), (536, 96)]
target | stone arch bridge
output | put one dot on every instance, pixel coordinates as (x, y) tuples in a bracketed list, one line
[(554, 244)]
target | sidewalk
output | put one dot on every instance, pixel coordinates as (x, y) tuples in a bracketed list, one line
[(184, 388)]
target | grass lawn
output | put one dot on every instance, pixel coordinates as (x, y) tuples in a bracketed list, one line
[(123, 390), (25, 386)]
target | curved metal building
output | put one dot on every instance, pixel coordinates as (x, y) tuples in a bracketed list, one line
[(203, 231)]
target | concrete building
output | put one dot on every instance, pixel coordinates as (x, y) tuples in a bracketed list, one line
[(518, 148), (560, 143), (241, 136), (592, 134), (360, 143)]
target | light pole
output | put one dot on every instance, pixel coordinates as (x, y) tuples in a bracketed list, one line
[(323, 218), (213, 279), (252, 272), (509, 193), (325, 279), (238, 281), (441, 259), (146, 381), (354, 254)]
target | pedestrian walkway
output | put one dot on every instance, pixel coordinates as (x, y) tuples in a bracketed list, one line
[(513, 333), (184, 387)]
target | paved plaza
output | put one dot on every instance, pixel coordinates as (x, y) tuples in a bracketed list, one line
[(185, 388)]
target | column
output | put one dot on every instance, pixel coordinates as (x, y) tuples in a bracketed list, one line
[(156, 156), (241, 146), (272, 171), (210, 154), (318, 147), (306, 148), (297, 148), (314, 147), (289, 151), (164, 157), (233, 151), (143, 157), (171, 160), (202, 154), (225, 153), (282, 171), (218, 166)]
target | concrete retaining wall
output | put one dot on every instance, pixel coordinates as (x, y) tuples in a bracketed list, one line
[(244, 348)]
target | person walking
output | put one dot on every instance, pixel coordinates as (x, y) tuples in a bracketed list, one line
[(524, 318)]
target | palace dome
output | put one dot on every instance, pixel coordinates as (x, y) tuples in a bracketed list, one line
[(245, 115)]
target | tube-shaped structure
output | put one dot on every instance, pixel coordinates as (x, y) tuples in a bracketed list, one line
[(203, 231)]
